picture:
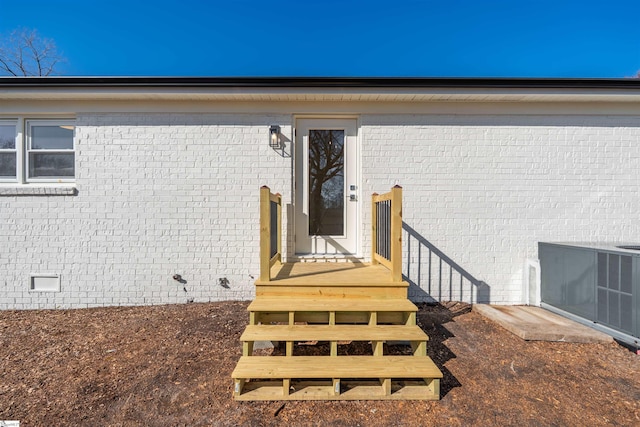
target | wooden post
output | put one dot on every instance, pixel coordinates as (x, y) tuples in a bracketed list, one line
[(378, 348), (373, 318), (265, 234), (247, 348), (374, 229), (386, 386), (286, 386), (336, 386), (433, 384), (396, 233), (279, 217), (237, 386)]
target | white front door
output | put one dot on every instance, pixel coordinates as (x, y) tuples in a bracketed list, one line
[(326, 191)]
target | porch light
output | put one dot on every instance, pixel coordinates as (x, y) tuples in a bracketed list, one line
[(274, 136)]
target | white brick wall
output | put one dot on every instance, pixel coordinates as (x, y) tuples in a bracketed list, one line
[(160, 194), (484, 190)]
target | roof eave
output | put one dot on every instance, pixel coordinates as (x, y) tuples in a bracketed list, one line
[(320, 82), (320, 89)]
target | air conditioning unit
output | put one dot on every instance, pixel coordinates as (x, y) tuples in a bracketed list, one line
[(596, 283)]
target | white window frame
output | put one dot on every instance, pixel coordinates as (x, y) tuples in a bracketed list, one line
[(15, 150), (28, 125)]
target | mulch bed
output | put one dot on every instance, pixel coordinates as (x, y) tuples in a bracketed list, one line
[(171, 366)]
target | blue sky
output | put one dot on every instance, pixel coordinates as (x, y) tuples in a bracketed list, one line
[(337, 38)]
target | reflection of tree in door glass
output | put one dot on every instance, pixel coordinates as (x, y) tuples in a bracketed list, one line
[(326, 182)]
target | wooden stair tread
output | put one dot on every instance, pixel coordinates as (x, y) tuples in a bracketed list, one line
[(338, 282), (333, 333), (262, 367), (330, 304), (331, 274)]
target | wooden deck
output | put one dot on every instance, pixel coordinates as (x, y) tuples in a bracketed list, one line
[(328, 274), (336, 303), (333, 280)]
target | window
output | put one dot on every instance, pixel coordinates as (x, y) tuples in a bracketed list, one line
[(37, 151), (50, 151), (8, 152), (41, 152)]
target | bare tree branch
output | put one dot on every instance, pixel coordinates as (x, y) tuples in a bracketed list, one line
[(25, 53)]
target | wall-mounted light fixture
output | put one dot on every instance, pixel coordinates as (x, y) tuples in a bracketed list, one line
[(274, 136)]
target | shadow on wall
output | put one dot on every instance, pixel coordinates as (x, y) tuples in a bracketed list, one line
[(433, 276), (283, 147)]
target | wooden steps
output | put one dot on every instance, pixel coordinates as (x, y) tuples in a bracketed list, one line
[(343, 366), (338, 303), (337, 378), (330, 304), (331, 376), (333, 333), (332, 311)]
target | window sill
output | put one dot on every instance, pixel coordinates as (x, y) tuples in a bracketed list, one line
[(37, 190)]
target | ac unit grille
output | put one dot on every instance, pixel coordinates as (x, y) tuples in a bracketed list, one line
[(615, 298)]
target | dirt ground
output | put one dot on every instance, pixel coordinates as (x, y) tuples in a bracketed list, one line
[(171, 366)]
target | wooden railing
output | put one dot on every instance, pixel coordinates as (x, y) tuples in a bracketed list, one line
[(270, 231), (386, 231)]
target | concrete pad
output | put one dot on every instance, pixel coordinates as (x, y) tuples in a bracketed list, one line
[(538, 324)]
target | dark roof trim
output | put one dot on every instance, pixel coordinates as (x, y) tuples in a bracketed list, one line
[(317, 82)]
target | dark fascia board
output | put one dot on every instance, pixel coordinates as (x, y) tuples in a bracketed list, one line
[(318, 82)]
